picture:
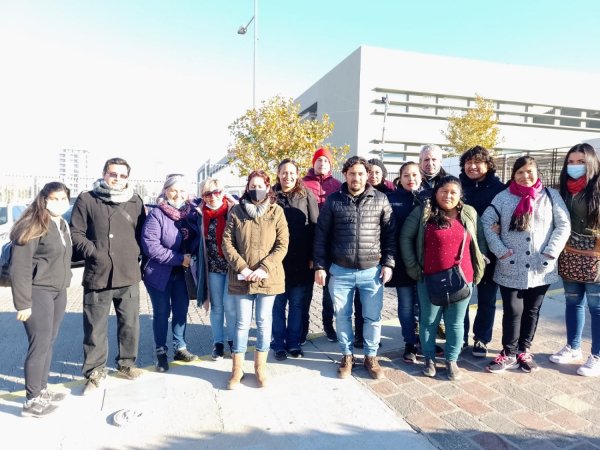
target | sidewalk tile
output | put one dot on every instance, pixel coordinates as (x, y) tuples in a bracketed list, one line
[(480, 391), (492, 441), (470, 404), (532, 420), (568, 420), (436, 404), (464, 422), (571, 403)]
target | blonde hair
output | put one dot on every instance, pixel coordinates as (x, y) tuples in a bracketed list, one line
[(211, 184)]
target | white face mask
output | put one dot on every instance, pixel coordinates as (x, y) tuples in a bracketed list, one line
[(57, 207), (177, 205)]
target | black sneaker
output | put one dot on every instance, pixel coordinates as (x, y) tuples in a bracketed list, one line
[(330, 333), (129, 372), (93, 381), (162, 362), (281, 355), (526, 362), (218, 352), (185, 355), (502, 362), (52, 397), (480, 349), (410, 353), (297, 353), (37, 407)]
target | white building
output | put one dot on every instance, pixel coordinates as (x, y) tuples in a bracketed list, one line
[(537, 108), (73, 170)]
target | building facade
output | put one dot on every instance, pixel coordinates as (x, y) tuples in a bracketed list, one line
[(388, 103), (73, 170)]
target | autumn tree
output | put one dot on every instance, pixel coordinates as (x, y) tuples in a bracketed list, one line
[(477, 126), (275, 131)]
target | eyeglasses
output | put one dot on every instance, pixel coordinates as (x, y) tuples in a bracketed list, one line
[(115, 175), (211, 193)]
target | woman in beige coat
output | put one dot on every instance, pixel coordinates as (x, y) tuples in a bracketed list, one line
[(255, 242)]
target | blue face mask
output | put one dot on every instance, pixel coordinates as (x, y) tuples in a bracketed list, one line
[(576, 171)]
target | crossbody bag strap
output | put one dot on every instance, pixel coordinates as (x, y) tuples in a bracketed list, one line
[(125, 214), (462, 247)]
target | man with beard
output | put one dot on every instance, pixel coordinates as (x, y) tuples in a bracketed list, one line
[(106, 227), (356, 233)]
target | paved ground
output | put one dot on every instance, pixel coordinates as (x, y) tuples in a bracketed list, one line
[(306, 406)]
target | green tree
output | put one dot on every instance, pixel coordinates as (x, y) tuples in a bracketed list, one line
[(275, 131), (477, 126)]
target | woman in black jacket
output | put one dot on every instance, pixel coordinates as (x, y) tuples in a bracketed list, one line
[(301, 212), (407, 195), (40, 272)]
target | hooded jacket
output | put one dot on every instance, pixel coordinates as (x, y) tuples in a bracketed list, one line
[(322, 186)]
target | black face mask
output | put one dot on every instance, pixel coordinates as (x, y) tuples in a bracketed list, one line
[(257, 195)]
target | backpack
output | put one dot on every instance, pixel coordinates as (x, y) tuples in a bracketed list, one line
[(5, 257)]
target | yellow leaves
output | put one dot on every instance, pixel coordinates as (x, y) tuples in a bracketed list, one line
[(275, 131), (477, 126)]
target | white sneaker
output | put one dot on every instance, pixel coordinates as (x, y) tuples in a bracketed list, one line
[(591, 368), (566, 355)]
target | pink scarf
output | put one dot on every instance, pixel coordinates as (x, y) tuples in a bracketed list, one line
[(522, 216)]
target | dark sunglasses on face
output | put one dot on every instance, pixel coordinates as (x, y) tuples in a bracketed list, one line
[(211, 193), (115, 175)]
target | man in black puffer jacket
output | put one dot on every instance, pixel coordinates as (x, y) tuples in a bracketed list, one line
[(356, 235)]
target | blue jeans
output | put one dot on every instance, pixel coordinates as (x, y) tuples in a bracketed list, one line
[(288, 337), (173, 300), (454, 317), (222, 308), (487, 291), (264, 318), (407, 298), (576, 296), (342, 284)]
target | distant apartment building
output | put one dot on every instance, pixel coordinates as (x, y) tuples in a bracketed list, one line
[(73, 170), (388, 103), (224, 172)]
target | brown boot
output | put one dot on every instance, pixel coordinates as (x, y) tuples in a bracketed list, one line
[(237, 371), (373, 367), (346, 364), (260, 367)]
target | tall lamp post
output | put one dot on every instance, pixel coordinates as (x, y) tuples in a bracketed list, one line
[(386, 101), (243, 30)]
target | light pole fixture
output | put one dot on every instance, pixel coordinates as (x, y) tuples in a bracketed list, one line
[(244, 30), (386, 101)]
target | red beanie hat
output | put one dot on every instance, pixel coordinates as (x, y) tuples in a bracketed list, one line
[(322, 152)]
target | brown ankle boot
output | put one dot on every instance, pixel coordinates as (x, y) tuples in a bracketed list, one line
[(260, 367), (237, 371), (346, 364), (373, 367)]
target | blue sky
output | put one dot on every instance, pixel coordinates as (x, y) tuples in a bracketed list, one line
[(158, 82)]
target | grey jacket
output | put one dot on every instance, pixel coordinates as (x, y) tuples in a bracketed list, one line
[(527, 267)]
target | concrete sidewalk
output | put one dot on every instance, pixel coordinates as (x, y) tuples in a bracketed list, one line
[(305, 406)]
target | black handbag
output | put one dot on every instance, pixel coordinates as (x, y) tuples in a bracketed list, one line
[(190, 283), (448, 286)]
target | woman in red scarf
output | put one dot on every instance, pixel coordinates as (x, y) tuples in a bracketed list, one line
[(534, 227), (580, 187), (215, 206)]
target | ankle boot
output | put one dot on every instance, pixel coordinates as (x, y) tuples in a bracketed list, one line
[(237, 372), (260, 367)]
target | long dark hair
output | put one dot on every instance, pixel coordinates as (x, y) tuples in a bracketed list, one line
[(35, 220), (298, 188), (267, 179), (523, 222), (592, 187), (437, 215)]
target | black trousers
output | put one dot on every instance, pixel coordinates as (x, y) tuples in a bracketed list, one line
[(47, 312), (96, 309), (521, 313)]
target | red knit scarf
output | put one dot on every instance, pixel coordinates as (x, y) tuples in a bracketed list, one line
[(576, 186), (523, 215), (221, 215)]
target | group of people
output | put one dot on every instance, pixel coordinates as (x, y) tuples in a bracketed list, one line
[(260, 255)]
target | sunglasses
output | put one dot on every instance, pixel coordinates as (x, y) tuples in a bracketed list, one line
[(115, 175), (211, 193)]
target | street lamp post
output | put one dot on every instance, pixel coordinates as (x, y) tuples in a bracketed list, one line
[(243, 30), (386, 101)]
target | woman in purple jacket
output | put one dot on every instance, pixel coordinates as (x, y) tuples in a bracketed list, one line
[(170, 237)]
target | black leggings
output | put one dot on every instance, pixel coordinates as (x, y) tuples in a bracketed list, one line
[(521, 313), (47, 312)]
